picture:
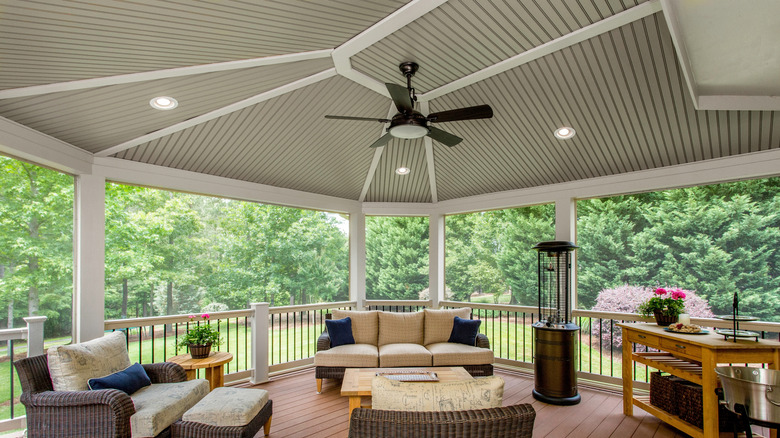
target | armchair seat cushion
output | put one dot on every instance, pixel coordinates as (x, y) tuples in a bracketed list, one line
[(452, 354), (404, 355), (160, 404), (352, 356)]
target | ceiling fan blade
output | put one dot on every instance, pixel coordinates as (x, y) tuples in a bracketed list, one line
[(381, 141), (470, 113), (443, 136), (401, 98), (366, 119)]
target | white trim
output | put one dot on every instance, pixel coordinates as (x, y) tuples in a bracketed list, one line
[(131, 172), (578, 36), (428, 142), (388, 25), (670, 14), (162, 74), (375, 160), (397, 209), (262, 97), (738, 103), (762, 164), (28, 144)]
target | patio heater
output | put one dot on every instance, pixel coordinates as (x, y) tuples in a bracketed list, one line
[(555, 380)]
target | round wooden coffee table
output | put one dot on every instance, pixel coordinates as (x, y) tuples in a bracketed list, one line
[(213, 364)]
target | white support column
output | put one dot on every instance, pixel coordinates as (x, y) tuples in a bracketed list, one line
[(89, 227), (259, 343), (357, 258), (436, 284), (35, 335), (566, 229)]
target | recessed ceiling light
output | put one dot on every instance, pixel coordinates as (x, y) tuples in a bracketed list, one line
[(564, 133), (164, 103), (402, 171)]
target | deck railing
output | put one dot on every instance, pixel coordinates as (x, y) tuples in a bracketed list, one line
[(33, 335)]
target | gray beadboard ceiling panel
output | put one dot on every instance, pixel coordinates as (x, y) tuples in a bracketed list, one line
[(464, 36), (388, 186), (97, 118), (284, 142), (624, 94), (49, 41)]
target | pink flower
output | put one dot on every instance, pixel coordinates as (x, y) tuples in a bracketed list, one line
[(205, 316), (192, 317), (660, 291), (678, 294)]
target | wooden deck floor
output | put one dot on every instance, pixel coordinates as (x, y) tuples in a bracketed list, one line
[(300, 412)]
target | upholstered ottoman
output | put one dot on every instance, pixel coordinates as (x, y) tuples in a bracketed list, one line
[(226, 413)]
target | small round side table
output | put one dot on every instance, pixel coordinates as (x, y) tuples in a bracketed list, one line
[(213, 364)]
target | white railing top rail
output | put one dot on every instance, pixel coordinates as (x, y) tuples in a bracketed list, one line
[(307, 307), (114, 324), (485, 306), (398, 303), (13, 334)]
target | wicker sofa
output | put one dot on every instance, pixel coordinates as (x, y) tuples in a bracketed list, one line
[(515, 421), (391, 339)]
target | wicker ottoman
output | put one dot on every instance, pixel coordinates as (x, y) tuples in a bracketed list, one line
[(226, 413)]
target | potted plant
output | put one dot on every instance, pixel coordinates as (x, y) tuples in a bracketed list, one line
[(666, 306), (200, 338)]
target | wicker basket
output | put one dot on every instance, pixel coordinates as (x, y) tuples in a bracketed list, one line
[(664, 320), (692, 411), (663, 392)]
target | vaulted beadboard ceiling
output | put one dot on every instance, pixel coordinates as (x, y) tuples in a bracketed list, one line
[(645, 84)]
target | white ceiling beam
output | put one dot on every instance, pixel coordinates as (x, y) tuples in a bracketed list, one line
[(388, 25), (671, 15), (28, 144), (262, 97), (738, 103), (162, 74), (429, 157), (578, 36), (377, 156)]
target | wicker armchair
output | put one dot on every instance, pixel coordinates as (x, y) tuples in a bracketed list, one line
[(505, 422), (97, 414)]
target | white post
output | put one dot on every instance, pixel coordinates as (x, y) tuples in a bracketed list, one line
[(566, 229), (436, 284), (89, 225), (357, 258), (259, 343), (35, 335)]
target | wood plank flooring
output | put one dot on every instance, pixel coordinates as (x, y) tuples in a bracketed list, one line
[(300, 412)]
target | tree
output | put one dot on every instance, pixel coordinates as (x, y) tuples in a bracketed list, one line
[(396, 257)]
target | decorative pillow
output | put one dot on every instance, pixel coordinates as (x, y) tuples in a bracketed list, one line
[(71, 366), (464, 331), (340, 331), (128, 380), (400, 328), (365, 324), (481, 393), (438, 323)]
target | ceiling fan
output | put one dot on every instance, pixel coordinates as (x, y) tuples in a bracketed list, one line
[(409, 123)]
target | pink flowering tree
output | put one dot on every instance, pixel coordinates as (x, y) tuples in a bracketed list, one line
[(628, 299)]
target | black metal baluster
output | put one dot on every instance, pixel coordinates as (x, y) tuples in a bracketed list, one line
[(11, 355)]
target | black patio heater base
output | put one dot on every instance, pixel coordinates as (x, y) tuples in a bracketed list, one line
[(560, 401)]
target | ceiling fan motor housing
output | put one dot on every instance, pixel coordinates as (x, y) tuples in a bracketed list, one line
[(413, 125)]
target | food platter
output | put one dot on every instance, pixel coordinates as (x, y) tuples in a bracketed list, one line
[(702, 332)]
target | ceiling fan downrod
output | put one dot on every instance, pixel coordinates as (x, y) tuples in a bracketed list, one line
[(409, 68)]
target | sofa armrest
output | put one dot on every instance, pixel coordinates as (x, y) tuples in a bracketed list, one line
[(323, 342), (483, 341), (165, 372), (104, 412)]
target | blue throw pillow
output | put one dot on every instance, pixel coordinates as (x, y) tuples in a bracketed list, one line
[(340, 331), (129, 380), (464, 331)]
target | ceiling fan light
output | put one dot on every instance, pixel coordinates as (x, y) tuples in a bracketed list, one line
[(564, 132), (408, 131)]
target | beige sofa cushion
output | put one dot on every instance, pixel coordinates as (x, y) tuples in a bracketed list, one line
[(365, 324), (438, 323), (71, 366), (228, 407), (157, 406), (452, 354), (404, 355), (401, 328), (350, 356), (481, 393)]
